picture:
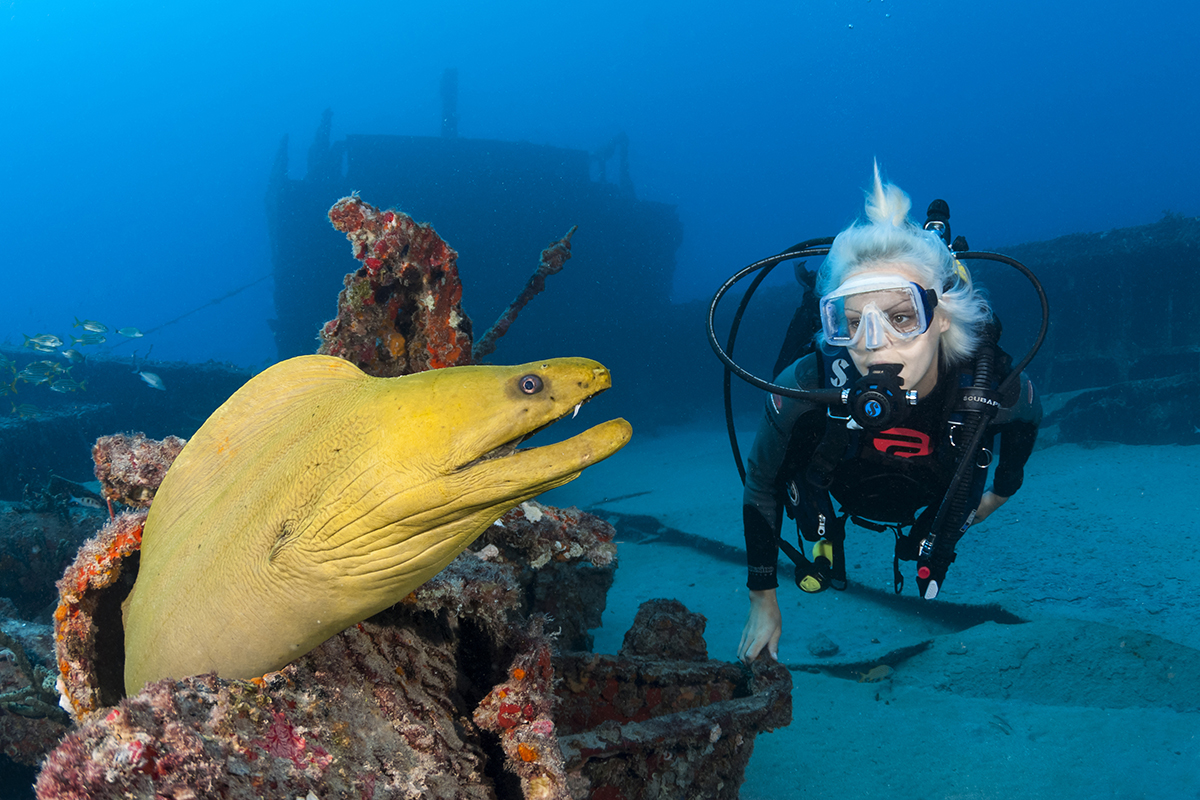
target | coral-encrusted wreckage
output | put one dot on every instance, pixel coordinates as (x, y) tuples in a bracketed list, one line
[(402, 311), (130, 468), (480, 684)]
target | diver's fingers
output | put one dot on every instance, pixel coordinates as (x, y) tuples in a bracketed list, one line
[(741, 648), (750, 647)]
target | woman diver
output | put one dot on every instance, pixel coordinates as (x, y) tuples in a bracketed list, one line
[(895, 303)]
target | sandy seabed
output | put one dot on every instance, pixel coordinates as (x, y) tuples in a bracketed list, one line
[(1061, 659)]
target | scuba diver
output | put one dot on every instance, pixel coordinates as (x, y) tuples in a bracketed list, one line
[(898, 314)]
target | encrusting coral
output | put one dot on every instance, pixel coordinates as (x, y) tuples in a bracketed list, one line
[(87, 622), (130, 467), (571, 557), (520, 711), (401, 312), (369, 714)]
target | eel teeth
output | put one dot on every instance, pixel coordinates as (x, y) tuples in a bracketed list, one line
[(576, 411)]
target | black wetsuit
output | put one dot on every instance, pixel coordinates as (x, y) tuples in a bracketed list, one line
[(892, 476)]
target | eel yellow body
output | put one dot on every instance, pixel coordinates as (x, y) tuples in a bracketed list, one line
[(317, 496)]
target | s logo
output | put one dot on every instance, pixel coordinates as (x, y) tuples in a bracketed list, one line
[(902, 442), (839, 372)]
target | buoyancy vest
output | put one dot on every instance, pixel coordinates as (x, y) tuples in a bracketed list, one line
[(885, 476)]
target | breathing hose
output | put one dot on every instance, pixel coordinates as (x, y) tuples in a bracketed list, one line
[(766, 265), (983, 403)]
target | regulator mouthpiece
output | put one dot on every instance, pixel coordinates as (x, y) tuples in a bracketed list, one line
[(877, 400)]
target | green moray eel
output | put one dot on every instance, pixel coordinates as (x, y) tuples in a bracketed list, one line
[(317, 496)]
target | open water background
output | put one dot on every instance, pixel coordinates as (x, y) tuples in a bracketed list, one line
[(136, 137)]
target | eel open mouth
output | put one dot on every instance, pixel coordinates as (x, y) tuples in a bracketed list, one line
[(513, 446)]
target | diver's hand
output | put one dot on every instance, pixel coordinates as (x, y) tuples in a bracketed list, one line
[(987, 504), (763, 627)]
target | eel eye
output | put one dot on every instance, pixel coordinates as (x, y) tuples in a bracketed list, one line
[(531, 384)]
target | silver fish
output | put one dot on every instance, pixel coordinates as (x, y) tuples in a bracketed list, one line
[(32, 376), (45, 367), (68, 385), (39, 371), (90, 325), (46, 342), (132, 333), (153, 380), (43, 341)]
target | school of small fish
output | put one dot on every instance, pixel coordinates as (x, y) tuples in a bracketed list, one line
[(57, 374)]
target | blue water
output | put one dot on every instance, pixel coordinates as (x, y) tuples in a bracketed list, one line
[(137, 137)]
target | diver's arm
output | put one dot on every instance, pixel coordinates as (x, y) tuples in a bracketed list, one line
[(762, 511), (762, 500), (1018, 434), (762, 547)]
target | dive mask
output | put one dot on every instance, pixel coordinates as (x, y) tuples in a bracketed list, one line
[(873, 307)]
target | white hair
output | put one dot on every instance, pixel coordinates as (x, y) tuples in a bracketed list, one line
[(889, 238)]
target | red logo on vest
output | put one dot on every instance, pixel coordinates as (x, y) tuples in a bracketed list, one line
[(902, 442)]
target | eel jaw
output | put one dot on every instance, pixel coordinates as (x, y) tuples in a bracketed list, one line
[(530, 471), (519, 474), (513, 445)]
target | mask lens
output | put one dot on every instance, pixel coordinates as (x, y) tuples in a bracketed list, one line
[(839, 328), (900, 312)]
